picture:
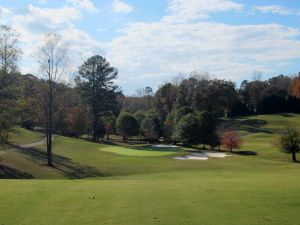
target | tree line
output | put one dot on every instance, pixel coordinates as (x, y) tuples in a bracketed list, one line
[(187, 110)]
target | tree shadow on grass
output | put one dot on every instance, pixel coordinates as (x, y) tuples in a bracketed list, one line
[(244, 153), (253, 123), (286, 115), (7, 172), (249, 125), (69, 168), (128, 142)]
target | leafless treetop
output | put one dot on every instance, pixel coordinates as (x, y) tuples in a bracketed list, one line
[(52, 58), (10, 53)]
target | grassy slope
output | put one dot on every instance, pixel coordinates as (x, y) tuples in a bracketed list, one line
[(262, 189), (262, 131), (22, 136)]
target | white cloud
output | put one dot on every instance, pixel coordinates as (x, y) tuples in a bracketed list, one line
[(36, 22), (84, 4), (169, 46), (199, 9), (121, 7), (276, 9), (5, 13), (54, 15)]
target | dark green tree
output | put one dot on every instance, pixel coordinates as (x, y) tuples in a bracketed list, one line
[(139, 116), (208, 127), (168, 128), (188, 129), (127, 125), (96, 85), (151, 127)]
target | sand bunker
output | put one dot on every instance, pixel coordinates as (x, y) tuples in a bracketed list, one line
[(190, 157), (164, 146), (202, 156)]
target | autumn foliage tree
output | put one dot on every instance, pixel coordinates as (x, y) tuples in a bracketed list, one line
[(296, 87), (76, 121), (231, 140)]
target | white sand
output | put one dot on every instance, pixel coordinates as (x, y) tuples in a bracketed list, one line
[(190, 157), (202, 156), (211, 154), (164, 146)]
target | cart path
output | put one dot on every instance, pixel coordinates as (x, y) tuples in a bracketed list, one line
[(31, 145)]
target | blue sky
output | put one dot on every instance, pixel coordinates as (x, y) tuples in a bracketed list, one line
[(150, 42)]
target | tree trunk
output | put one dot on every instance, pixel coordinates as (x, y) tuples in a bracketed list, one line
[(294, 156), (49, 127), (94, 130)]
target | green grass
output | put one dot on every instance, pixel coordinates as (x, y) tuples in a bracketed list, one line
[(174, 198), (22, 136), (137, 184), (137, 150)]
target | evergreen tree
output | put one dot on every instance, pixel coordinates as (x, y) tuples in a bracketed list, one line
[(96, 85)]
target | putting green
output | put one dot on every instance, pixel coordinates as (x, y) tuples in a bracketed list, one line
[(142, 151)]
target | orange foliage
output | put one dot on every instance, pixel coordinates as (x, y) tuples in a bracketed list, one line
[(296, 88), (76, 121), (231, 140)]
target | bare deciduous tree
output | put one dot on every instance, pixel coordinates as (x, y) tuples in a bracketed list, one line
[(53, 64), (10, 53), (289, 142)]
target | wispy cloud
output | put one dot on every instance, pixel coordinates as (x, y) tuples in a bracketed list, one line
[(83, 4), (4, 12), (195, 9), (179, 43), (276, 9), (35, 22), (121, 7)]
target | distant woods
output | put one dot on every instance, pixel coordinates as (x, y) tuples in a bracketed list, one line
[(188, 110)]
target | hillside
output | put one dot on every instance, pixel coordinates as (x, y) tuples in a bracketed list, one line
[(141, 185), (76, 158)]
